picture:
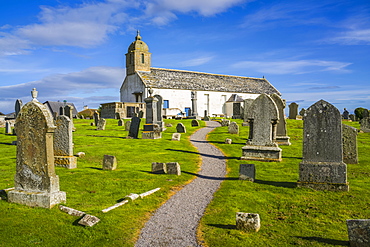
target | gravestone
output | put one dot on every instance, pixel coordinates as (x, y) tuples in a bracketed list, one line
[(359, 232), (262, 117), (345, 114), (109, 162), (151, 109), (159, 168), (247, 172), (233, 128), (237, 110), (101, 124), (228, 141), (281, 130), (176, 136), (365, 113), (134, 127), (120, 122), (194, 123), (151, 131), (18, 107), (322, 167), (247, 104), (248, 222), (180, 128), (63, 144), (159, 111), (35, 181), (352, 117), (293, 110), (118, 115), (302, 112), (194, 105), (225, 122), (8, 127), (350, 153), (127, 125), (173, 168), (96, 118), (365, 125)]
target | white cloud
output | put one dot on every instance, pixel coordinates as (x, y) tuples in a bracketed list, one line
[(353, 37), (293, 67), (196, 61)]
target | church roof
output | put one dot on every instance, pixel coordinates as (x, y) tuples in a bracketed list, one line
[(198, 81), (235, 98)]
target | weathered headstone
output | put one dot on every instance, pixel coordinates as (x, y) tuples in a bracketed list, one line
[(247, 172), (159, 168), (365, 125), (118, 115), (293, 110), (151, 109), (345, 114), (109, 162), (359, 232), (89, 220), (134, 127), (281, 130), (120, 122), (350, 153), (180, 128), (151, 131), (63, 143), (247, 103), (173, 168), (18, 107), (36, 183), (101, 124), (194, 123), (176, 136), (159, 111), (352, 117), (228, 141), (302, 112), (194, 106), (127, 125), (8, 127), (233, 128), (365, 113), (262, 117), (225, 122), (96, 118), (322, 167), (248, 222)]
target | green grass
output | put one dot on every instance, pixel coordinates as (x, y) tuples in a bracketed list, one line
[(289, 215), (91, 189)]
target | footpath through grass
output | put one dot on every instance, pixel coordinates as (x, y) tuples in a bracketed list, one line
[(90, 189), (289, 215)]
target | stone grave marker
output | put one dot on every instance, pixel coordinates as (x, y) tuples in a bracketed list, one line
[(159, 111), (8, 127), (96, 118), (281, 131), (365, 113), (118, 115), (302, 112), (194, 123), (194, 105), (120, 122), (359, 232), (322, 167), (352, 117), (101, 124), (176, 136), (228, 141), (233, 128), (350, 153), (134, 127), (151, 109), (36, 183), (293, 110), (173, 168), (365, 125), (180, 128), (262, 117), (89, 220), (247, 172), (127, 125), (63, 143), (225, 122), (159, 168), (109, 162), (18, 107), (247, 104), (248, 222)]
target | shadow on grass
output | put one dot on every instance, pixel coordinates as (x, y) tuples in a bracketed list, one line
[(96, 168), (210, 177), (236, 143), (206, 155), (107, 136), (6, 143), (326, 240), (277, 184), (223, 226)]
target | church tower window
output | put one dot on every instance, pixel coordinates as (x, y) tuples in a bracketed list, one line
[(142, 58)]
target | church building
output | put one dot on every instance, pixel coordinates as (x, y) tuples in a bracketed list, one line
[(185, 92)]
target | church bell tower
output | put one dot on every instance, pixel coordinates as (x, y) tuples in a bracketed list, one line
[(138, 56)]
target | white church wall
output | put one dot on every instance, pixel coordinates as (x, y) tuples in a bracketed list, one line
[(132, 84)]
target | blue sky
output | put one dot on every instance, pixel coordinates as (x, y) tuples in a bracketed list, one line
[(75, 50)]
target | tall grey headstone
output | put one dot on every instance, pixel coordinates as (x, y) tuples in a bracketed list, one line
[(180, 128), (322, 167), (350, 153), (96, 118), (262, 117), (18, 107), (127, 125), (233, 128), (36, 183), (365, 125), (281, 131), (134, 127), (293, 110), (159, 111), (247, 104), (247, 172), (8, 127), (101, 124), (63, 143), (151, 110), (194, 106)]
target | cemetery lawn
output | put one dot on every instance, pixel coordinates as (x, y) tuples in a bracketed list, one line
[(289, 215), (91, 189)]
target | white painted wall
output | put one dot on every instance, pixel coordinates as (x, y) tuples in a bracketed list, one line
[(127, 89)]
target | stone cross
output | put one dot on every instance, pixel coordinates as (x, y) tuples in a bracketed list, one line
[(263, 116), (322, 167), (293, 110), (281, 130), (36, 183), (63, 143)]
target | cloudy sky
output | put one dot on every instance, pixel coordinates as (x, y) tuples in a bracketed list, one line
[(75, 50)]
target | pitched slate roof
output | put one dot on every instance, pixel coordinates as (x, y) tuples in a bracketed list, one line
[(235, 98), (181, 79), (55, 106)]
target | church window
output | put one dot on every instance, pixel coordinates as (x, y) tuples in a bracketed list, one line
[(131, 58), (142, 58), (166, 104)]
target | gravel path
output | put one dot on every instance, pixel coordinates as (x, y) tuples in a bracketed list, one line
[(175, 222)]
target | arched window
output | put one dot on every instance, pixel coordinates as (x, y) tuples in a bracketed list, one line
[(142, 58)]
